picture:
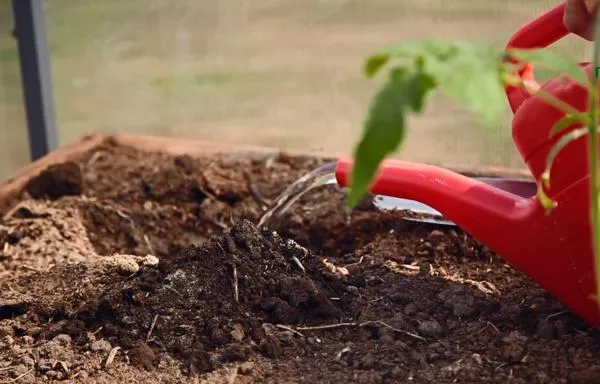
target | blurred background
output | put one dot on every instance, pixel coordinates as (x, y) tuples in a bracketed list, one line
[(284, 73)]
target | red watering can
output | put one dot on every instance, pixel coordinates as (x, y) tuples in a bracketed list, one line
[(554, 249)]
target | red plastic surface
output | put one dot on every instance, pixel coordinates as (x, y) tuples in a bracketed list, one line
[(554, 249), (539, 33)]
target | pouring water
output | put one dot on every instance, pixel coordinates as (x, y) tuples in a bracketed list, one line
[(325, 175), (321, 176)]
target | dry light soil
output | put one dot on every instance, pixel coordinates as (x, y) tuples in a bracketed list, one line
[(131, 267)]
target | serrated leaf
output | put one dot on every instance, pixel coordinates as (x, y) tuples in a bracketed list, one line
[(375, 63), (475, 79), (567, 121), (552, 61), (557, 147), (481, 92), (385, 126), (416, 86), (469, 73)]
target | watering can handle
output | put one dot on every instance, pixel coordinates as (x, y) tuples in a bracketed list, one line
[(539, 33)]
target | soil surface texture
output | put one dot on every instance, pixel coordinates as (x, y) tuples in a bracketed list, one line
[(131, 267)]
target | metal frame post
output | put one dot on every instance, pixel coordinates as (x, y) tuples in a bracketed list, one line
[(30, 32)]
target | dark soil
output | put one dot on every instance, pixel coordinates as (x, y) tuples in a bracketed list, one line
[(132, 267)]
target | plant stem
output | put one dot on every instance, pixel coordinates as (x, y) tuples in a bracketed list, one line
[(593, 162)]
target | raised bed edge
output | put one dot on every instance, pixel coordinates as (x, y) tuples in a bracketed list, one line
[(12, 187)]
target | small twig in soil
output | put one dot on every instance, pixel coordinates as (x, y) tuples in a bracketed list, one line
[(493, 326), (231, 221), (75, 375), (152, 325), (281, 326), (29, 267), (123, 215), (555, 314), (299, 264), (111, 356), (414, 335), (149, 245), (410, 267), (236, 293), (64, 366), (485, 326), (484, 286), (360, 325), (327, 326), (221, 247), (477, 358), (338, 356), (19, 377)]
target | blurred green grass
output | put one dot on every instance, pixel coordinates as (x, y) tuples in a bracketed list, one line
[(283, 73)]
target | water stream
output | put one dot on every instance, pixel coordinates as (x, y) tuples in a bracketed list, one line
[(321, 176), (325, 175)]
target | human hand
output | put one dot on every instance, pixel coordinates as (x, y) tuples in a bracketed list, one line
[(580, 16)]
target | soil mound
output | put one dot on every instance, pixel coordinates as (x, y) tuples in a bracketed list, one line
[(218, 295)]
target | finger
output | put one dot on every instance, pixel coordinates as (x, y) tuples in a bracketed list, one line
[(592, 6), (578, 18)]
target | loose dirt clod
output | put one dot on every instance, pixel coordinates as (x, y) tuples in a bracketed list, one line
[(153, 270), (56, 181)]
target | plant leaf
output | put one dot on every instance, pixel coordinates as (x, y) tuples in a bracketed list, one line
[(440, 49), (557, 147), (552, 61), (384, 130), (416, 87), (472, 74), (375, 63), (479, 88), (567, 121), (475, 77)]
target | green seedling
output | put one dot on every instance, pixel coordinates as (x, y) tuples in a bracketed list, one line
[(474, 75)]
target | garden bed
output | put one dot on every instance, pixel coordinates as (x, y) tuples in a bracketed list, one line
[(123, 264)]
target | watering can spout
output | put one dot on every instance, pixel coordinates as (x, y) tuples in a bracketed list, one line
[(486, 212)]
